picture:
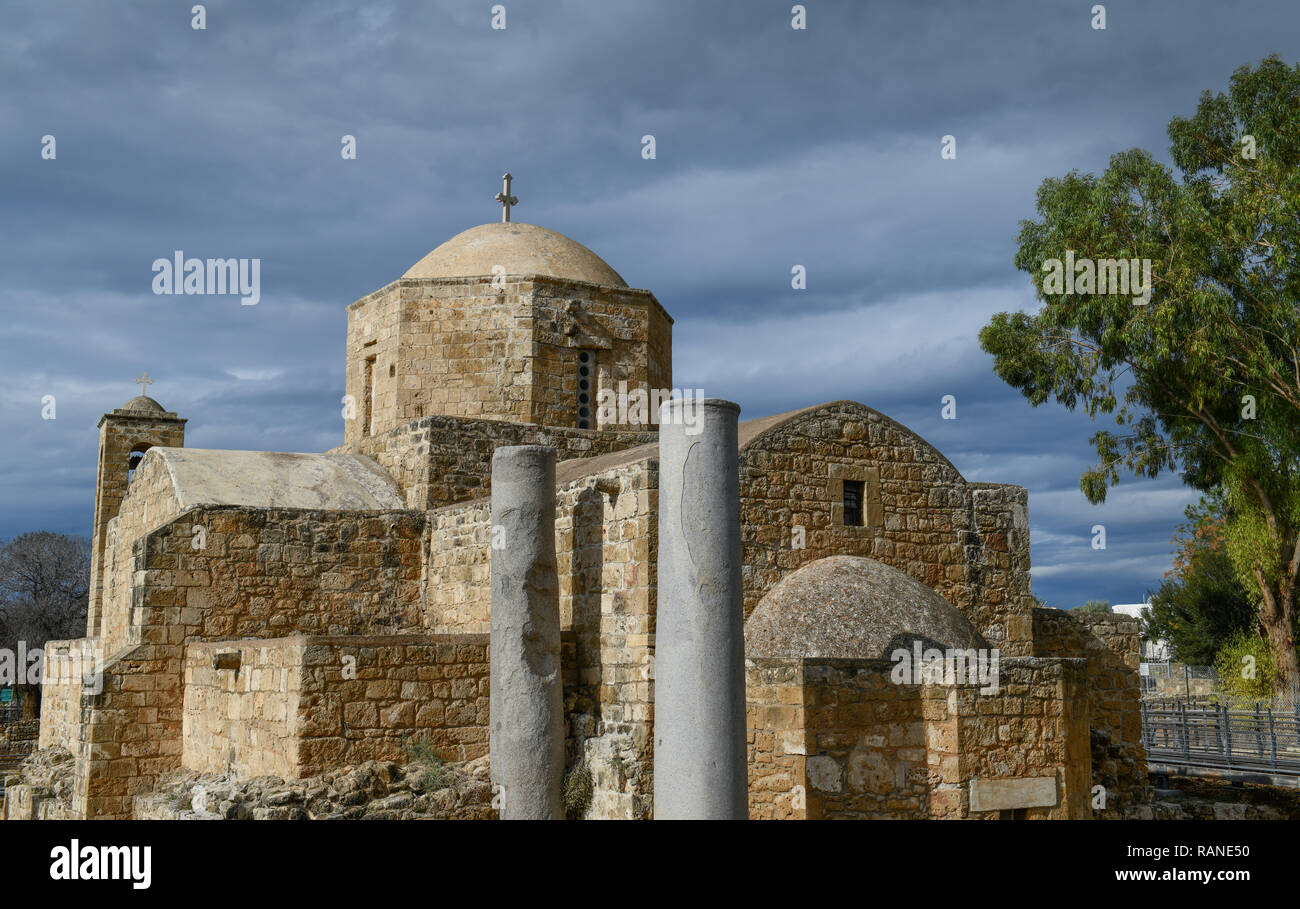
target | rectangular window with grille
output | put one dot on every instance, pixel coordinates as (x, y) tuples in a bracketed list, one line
[(586, 389), (853, 491)]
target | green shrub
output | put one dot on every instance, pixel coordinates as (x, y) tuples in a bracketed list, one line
[(438, 775), (1245, 667), (420, 751), (1094, 606), (578, 789)]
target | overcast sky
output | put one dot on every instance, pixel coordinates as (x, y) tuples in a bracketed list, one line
[(775, 147)]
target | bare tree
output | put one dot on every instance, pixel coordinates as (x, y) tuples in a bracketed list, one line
[(44, 591)]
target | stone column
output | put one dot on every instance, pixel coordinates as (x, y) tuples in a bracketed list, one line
[(700, 766), (527, 706)]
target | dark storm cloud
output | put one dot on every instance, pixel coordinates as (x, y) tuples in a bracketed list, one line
[(775, 148)]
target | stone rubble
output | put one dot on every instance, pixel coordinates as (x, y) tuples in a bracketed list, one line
[(374, 790)]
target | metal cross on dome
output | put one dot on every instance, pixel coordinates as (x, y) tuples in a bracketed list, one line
[(144, 382), (506, 200)]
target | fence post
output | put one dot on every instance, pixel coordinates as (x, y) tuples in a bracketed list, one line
[(1227, 735), (1259, 731), (1182, 716), (1272, 735)]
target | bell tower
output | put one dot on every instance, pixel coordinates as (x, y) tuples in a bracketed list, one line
[(125, 434)]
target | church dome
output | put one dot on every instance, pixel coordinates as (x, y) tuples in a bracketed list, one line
[(849, 607), (521, 249), (143, 404)]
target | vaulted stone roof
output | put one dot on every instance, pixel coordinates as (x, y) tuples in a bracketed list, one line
[(520, 249), (749, 433), (266, 479), (849, 607)]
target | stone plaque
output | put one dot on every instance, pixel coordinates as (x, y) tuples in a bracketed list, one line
[(1002, 795)]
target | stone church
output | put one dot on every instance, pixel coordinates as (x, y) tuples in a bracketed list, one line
[(269, 613)]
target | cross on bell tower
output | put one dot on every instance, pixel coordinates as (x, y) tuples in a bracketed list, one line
[(144, 382), (506, 199)]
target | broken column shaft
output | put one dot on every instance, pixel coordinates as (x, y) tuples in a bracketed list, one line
[(527, 705), (700, 764)]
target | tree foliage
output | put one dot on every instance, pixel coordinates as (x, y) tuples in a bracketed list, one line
[(44, 588), (1222, 322), (1246, 668), (1202, 602)]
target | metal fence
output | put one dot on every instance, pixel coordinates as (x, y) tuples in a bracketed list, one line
[(1173, 678), (1221, 737)]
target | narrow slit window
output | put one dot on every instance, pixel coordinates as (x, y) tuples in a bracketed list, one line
[(368, 407), (853, 503)]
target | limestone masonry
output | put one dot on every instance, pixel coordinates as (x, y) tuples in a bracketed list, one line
[(849, 629)]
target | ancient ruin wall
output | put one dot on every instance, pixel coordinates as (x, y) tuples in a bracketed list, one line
[(607, 525), (61, 689), (429, 689), (150, 502), (1035, 725), (241, 707), (259, 573), (969, 542), (840, 739), (295, 707), (458, 595), (776, 722), (1111, 644), (605, 542)]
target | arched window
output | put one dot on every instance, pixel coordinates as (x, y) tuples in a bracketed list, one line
[(134, 458)]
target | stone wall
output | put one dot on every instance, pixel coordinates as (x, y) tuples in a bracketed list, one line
[(65, 665), (260, 573), (1034, 726), (1111, 644), (776, 721), (455, 347), (374, 323), (606, 541), (295, 707), (626, 330), (607, 545), (429, 688), (241, 707), (458, 593), (840, 739), (150, 502), (469, 347), (42, 789), (969, 542), (439, 461)]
